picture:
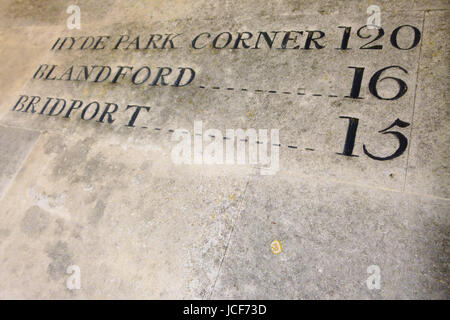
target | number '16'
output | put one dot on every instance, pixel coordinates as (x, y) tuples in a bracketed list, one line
[(374, 80)]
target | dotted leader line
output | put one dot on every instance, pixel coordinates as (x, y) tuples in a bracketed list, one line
[(269, 91), (257, 91), (227, 138)]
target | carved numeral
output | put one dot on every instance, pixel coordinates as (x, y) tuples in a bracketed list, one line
[(351, 136), (374, 47), (374, 80), (403, 141)]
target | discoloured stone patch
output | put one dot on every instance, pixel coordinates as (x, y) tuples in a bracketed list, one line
[(97, 213), (331, 233), (60, 259), (4, 233), (35, 222), (15, 144)]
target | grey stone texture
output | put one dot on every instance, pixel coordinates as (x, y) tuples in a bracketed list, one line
[(108, 198)]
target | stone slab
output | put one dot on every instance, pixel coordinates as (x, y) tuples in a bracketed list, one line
[(428, 167), (107, 197), (136, 225), (41, 13), (15, 144), (330, 234), (253, 89), (22, 49)]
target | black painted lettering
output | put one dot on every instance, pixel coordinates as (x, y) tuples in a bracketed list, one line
[(402, 87), (135, 113), (21, 101), (123, 38), (85, 72), (269, 41), (97, 108), (100, 45), (135, 75), (34, 100), (169, 40), (76, 104), (152, 41), (120, 73), (227, 42), (108, 113), (311, 39), (47, 77), (356, 85), (88, 42), (350, 137), (345, 38), (41, 71), (162, 72), (52, 110), (402, 140), (241, 38), (67, 73), (180, 77), (379, 35), (134, 43), (45, 105), (416, 39), (103, 68), (287, 38), (194, 41), (72, 39)]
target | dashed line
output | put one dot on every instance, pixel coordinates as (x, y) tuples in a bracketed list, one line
[(228, 138), (270, 91)]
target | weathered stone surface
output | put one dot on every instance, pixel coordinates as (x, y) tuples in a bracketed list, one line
[(51, 13), (15, 144), (270, 99), (107, 197), (22, 49), (330, 235), (428, 169), (136, 225)]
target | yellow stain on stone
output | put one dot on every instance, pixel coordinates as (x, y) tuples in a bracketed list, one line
[(275, 247), (251, 114)]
